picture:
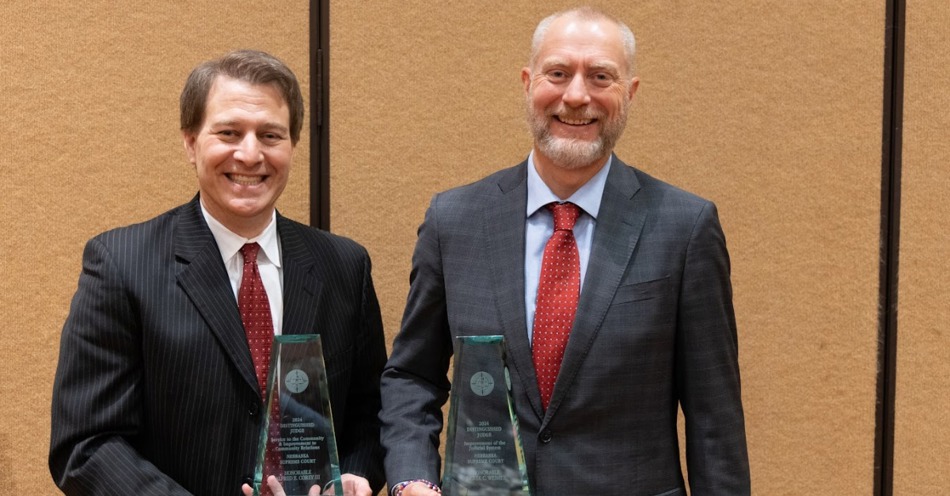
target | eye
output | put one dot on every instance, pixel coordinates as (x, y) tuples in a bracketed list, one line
[(603, 79), (557, 74), (272, 138)]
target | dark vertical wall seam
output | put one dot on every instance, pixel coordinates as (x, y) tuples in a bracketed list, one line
[(890, 244), (320, 114)]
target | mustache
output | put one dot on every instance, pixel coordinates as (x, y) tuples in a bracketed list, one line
[(583, 114)]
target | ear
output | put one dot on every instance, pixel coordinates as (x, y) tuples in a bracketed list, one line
[(526, 79), (634, 84), (188, 139)]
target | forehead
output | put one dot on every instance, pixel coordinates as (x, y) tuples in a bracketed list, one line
[(227, 93), (570, 39)]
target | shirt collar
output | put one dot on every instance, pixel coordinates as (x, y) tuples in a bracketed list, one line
[(230, 243), (587, 197)]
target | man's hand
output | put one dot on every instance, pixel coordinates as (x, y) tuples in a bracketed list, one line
[(353, 485), (276, 489)]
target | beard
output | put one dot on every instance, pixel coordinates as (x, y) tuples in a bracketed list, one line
[(571, 153)]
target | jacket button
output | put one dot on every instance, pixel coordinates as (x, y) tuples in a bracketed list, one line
[(545, 436), (252, 409), (249, 480)]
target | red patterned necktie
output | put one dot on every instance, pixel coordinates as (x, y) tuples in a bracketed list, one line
[(259, 328), (558, 291)]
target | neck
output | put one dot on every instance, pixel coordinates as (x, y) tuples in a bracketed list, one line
[(249, 231), (563, 180), (248, 228)]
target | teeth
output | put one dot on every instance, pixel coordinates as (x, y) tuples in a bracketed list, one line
[(575, 122), (246, 180)]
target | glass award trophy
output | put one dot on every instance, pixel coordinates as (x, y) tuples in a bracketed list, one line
[(483, 455), (298, 431)]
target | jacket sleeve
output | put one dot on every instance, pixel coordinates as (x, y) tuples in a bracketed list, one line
[(362, 453), (96, 407), (708, 366), (414, 383)]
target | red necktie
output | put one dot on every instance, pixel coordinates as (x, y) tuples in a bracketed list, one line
[(558, 291), (259, 328)]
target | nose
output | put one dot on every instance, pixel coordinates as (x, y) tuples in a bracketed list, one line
[(249, 150), (576, 94)]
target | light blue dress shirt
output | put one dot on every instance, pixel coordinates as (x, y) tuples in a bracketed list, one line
[(539, 225)]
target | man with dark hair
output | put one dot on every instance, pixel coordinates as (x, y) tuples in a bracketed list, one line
[(610, 287), (162, 369)]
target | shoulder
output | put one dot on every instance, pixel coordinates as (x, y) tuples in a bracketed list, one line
[(296, 237), (498, 183), (136, 254), (479, 194), (657, 193), (151, 233)]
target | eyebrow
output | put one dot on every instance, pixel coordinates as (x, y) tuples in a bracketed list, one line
[(604, 66), (552, 62), (267, 126)]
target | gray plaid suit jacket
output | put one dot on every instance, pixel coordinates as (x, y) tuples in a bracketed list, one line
[(654, 329), (155, 391)]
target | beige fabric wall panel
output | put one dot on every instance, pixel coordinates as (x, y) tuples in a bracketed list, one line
[(771, 109), (922, 407), (89, 140)]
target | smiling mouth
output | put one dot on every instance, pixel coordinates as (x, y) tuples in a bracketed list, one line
[(245, 180), (574, 122)]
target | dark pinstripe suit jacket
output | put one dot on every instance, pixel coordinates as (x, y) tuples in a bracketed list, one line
[(155, 391), (654, 328)]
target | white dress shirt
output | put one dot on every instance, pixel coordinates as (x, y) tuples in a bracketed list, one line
[(268, 261)]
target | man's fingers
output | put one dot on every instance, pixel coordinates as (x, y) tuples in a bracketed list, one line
[(354, 485), (275, 486)]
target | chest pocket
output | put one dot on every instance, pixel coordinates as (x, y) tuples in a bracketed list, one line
[(640, 291)]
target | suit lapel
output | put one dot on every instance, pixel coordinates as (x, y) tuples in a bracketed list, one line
[(205, 281), (503, 227), (619, 223), (301, 286)]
